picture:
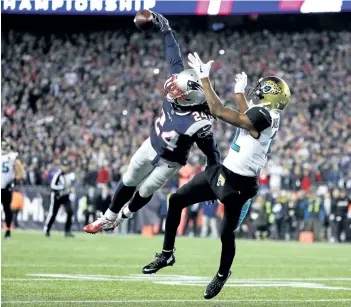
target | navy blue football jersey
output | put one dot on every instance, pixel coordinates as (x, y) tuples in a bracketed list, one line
[(173, 133)]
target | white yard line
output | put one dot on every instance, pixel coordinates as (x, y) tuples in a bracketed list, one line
[(49, 265), (145, 278), (120, 265), (176, 301)]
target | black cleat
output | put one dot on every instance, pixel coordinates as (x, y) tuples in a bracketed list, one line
[(159, 263), (160, 22), (47, 234), (69, 234), (215, 286), (8, 234)]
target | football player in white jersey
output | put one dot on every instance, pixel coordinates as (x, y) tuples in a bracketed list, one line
[(234, 182), (11, 169)]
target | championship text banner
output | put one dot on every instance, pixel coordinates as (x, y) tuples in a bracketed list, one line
[(198, 7)]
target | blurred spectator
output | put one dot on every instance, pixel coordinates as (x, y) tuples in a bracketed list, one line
[(260, 218), (209, 220), (339, 212), (279, 209), (16, 206), (192, 214), (103, 175), (103, 200), (314, 216), (90, 206), (33, 175)]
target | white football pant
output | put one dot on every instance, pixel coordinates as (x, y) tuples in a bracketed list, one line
[(146, 176)]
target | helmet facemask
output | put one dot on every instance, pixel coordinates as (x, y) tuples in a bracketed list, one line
[(271, 92), (184, 90)]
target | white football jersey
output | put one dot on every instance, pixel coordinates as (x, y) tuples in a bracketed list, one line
[(247, 155), (7, 168)]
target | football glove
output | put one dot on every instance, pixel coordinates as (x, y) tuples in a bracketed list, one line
[(202, 69), (240, 83), (161, 23)]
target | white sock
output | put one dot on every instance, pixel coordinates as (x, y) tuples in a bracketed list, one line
[(127, 212), (110, 215)]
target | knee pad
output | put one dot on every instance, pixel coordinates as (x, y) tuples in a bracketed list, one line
[(128, 180), (146, 190)]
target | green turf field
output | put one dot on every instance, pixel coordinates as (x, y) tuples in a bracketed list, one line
[(105, 270)]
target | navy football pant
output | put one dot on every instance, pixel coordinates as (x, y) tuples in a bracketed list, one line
[(216, 182)]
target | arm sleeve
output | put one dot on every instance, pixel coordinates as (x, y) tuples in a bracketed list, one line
[(56, 184), (260, 118), (207, 144), (174, 57)]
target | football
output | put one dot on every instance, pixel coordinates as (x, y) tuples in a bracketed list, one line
[(143, 20)]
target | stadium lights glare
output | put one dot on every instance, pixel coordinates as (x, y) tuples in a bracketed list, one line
[(221, 51), (125, 112), (156, 71)]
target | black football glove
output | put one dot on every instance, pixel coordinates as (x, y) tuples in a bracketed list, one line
[(161, 23)]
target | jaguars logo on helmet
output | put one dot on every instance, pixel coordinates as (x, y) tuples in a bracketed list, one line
[(272, 92)]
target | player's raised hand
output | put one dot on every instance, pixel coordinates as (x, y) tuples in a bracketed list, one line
[(161, 23), (240, 83), (202, 69)]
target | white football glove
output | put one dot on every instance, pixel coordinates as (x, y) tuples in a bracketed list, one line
[(240, 83), (202, 69)]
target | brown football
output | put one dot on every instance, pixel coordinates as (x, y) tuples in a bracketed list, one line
[(143, 20)]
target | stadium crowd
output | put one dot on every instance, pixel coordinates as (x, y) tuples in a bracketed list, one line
[(91, 98)]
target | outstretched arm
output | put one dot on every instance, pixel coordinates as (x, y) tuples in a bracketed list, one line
[(228, 115), (254, 120), (174, 57)]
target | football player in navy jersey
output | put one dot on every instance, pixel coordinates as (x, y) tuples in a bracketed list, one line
[(184, 120)]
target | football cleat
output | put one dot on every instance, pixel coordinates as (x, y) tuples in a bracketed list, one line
[(215, 286), (69, 234), (159, 263), (160, 22), (101, 224), (7, 234)]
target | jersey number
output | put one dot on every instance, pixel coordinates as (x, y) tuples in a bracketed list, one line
[(5, 167), (200, 116), (235, 146), (169, 137)]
